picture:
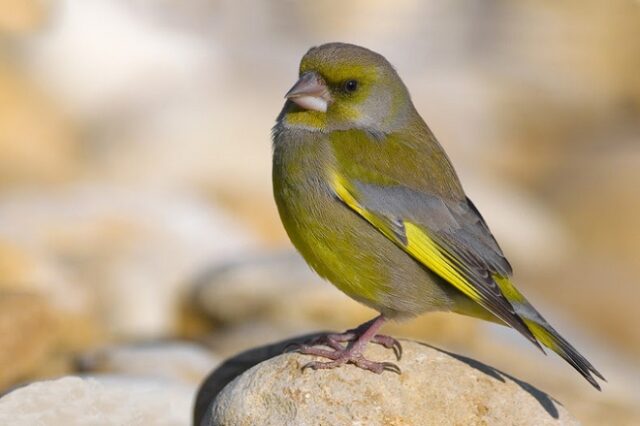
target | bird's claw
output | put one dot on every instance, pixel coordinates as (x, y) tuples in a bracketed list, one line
[(292, 347), (389, 343), (358, 360), (334, 341), (347, 348)]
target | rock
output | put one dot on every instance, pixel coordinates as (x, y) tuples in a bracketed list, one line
[(44, 318), (235, 366), (179, 361), (28, 268), (265, 286), (435, 388), (28, 332), (37, 339), (229, 341), (75, 401), (128, 255)]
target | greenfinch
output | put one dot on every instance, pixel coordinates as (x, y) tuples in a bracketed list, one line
[(370, 199)]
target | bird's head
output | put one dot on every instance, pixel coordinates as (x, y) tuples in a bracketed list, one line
[(343, 86)]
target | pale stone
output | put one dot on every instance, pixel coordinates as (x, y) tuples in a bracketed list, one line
[(28, 333), (74, 401), (179, 361), (435, 388), (125, 255)]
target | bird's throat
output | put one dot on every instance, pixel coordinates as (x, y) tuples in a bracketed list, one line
[(305, 119)]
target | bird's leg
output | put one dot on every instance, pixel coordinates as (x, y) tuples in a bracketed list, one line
[(357, 340), (335, 340)]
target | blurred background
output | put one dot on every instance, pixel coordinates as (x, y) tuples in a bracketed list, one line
[(138, 235)]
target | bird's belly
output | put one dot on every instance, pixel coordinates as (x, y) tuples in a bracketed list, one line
[(343, 248)]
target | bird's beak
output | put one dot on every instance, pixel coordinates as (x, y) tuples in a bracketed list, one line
[(310, 92)]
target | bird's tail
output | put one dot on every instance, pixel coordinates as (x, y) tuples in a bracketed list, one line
[(545, 334), (551, 339)]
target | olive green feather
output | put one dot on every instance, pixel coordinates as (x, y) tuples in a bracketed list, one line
[(370, 199)]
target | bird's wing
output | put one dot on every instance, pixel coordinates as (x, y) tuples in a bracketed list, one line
[(448, 237), (417, 202)]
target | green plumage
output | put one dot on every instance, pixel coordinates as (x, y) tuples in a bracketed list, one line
[(371, 201), (337, 243)]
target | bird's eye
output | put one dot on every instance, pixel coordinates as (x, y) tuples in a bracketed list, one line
[(350, 86)]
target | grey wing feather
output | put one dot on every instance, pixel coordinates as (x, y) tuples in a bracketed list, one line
[(459, 229), (457, 224)]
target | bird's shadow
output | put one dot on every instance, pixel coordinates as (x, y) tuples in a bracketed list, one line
[(235, 366), (238, 364)]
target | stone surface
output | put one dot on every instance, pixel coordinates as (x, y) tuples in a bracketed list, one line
[(43, 317), (180, 361), (126, 254), (435, 388), (235, 366), (28, 332), (101, 401), (265, 285)]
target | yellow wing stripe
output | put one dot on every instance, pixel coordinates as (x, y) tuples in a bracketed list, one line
[(419, 244), (416, 242), (423, 248), (509, 291), (340, 186), (544, 336)]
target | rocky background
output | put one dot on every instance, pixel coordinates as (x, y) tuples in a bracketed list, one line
[(139, 243)]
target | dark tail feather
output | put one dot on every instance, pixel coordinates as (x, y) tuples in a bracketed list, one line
[(544, 333), (551, 339)]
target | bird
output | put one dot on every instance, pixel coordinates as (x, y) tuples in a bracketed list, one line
[(370, 199)]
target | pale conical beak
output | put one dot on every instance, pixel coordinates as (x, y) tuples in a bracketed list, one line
[(310, 92)]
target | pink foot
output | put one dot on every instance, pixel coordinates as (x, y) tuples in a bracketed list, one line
[(335, 340), (344, 356), (356, 340)]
